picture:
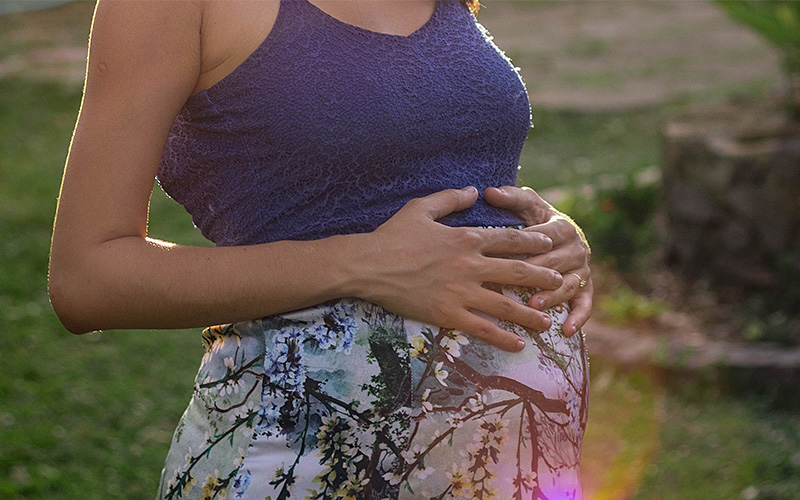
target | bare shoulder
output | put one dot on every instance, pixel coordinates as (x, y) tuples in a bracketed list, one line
[(144, 60), (231, 30), (136, 41), (147, 27)]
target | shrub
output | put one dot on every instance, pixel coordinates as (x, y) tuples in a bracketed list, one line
[(617, 220), (778, 21)]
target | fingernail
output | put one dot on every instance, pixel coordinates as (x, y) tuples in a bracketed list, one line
[(468, 189), (558, 277), (547, 241), (501, 190), (520, 344), (540, 302)]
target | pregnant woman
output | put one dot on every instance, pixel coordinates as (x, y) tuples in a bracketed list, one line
[(395, 319)]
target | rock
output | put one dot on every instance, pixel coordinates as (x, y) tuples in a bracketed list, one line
[(736, 237), (731, 184), (773, 226), (685, 352), (744, 271), (742, 202), (687, 203)]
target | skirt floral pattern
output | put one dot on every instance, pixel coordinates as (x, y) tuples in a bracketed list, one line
[(345, 400)]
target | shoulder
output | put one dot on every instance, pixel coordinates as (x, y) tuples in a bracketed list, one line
[(144, 39), (135, 20), (230, 31)]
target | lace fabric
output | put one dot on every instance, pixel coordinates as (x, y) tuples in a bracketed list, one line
[(328, 128)]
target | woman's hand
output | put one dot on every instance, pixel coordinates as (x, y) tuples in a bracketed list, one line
[(569, 255), (433, 273), (105, 273)]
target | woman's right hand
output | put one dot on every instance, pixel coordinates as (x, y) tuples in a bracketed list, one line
[(106, 273), (434, 273)]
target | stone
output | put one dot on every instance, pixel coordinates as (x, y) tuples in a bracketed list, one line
[(731, 189), (736, 237), (742, 202), (747, 271), (688, 203), (772, 226), (682, 351), (786, 164)]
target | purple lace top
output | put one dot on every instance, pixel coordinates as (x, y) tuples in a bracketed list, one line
[(328, 128)]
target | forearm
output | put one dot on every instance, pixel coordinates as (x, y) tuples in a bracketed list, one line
[(411, 265), (132, 282)]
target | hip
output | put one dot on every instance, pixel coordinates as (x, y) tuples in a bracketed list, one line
[(348, 393)]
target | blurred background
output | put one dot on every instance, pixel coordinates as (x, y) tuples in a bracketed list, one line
[(667, 128)]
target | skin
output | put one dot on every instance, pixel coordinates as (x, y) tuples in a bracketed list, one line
[(145, 59)]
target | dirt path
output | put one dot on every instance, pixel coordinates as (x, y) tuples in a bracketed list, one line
[(46, 44), (591, 54), (609, 54)]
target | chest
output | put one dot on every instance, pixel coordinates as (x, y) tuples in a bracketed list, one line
[(232, 30)]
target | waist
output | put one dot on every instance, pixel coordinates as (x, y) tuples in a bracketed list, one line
[(311, 222)]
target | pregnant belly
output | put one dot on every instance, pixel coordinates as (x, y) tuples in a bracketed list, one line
[(508, 423), (348, 398)]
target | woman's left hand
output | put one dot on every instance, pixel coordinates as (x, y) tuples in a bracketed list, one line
[(569, 255)]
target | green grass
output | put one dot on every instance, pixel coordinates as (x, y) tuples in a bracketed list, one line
[(670, 438), (80, 417), (570, 148), (91, 417), (716, 447)]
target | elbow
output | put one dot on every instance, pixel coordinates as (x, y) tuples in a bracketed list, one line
[(66, 303)]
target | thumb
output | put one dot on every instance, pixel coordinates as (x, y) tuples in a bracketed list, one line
[(524, 202), (512, 197), (445, 202)]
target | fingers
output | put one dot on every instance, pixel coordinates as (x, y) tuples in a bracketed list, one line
[(581, 306), (487, 331), (519, 272), (445, 202), (566, 292), (524, 202), (505, 308), (562, 259), (512, 241), (569, 250), (563, 231), (558, 229)]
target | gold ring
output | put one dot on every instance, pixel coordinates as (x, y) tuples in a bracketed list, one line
[(581, 281)]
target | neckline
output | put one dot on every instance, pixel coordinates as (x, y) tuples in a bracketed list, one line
[(431, 20)]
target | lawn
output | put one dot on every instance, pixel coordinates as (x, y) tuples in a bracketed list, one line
[(91, 417)]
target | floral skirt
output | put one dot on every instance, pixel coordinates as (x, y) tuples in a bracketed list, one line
[(345, 400)]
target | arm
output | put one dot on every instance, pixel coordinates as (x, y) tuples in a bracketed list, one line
[(570, 253), (105, 272)]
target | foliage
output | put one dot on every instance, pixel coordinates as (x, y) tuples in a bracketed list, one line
[(773, 327), (788, 296), (572, 148), (779, 22), (91, 417), (617, 220), (626, 306), (774, 315), (776, 20)]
